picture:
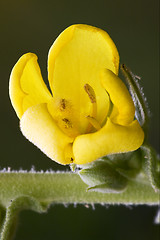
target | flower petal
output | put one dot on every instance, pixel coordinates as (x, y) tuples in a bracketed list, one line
[(112, 138), (124, 111), (75, 59), (26, 87), (38, 127)]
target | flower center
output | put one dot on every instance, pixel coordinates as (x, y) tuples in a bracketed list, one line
[(67, 117)]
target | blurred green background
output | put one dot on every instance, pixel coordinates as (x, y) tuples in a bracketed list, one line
[(33, 25)]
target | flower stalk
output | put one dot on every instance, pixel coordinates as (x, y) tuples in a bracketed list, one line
[(38, 190), (66, 187)]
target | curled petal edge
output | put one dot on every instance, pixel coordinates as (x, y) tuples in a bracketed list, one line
[(120, 97), (38, 127), (110, 139), (26, 86)]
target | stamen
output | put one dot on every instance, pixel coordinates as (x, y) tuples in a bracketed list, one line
[(89, 90), (67, 122), (92, 96), (94, 122), (62, 104)]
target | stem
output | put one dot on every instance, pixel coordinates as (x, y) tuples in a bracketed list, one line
[(60, 187)]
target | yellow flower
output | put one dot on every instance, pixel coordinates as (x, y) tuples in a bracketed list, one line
[(90, 114)]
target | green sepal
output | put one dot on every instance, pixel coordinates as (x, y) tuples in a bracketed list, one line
[(142, 113), (151, 166), (108, 188), (102, 177), (129, 174), (111, 173), (130, 161)]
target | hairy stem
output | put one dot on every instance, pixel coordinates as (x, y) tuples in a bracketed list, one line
[(61, 187)]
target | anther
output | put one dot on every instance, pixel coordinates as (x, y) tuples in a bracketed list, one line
[(68, 124), (89, 90), (92, 96), (62, 104)]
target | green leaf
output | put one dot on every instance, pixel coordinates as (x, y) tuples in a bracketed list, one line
[(151, 166)]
